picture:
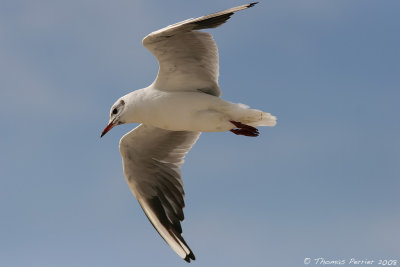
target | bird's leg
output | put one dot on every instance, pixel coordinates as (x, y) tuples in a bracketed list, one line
[(244, 129)]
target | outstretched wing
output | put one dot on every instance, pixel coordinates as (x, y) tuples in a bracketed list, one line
[(188, 59), (151, 159)]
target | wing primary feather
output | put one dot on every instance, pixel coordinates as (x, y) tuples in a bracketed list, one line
[(252, 4), (169, 210), (212, 22), (173, 192), (216, 20), (155, 205)]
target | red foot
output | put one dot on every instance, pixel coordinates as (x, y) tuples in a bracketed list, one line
[(244, 129)]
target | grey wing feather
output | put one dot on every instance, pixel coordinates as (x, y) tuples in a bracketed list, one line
[(151, 160)]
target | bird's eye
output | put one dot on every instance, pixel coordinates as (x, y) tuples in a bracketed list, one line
[(115, 111)]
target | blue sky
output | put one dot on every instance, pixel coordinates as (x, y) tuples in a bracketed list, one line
[(323, 183)]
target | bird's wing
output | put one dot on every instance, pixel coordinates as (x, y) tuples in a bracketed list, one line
[(151, 159), (188, 59)]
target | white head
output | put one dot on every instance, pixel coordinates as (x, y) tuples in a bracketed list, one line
[(117, 113)]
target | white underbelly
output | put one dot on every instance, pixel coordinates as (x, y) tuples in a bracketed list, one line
[(188, 111)]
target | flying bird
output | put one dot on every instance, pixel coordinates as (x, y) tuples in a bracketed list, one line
[(183, 101)]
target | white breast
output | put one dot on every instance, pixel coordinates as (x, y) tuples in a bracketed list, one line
[(185, 111)]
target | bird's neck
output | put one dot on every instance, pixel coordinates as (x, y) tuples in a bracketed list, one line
[(134, 112)]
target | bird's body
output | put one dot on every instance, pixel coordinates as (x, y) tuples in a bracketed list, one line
[(182, 102), (190, 111)]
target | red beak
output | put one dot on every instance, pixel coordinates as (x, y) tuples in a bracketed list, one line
[(109, 127)]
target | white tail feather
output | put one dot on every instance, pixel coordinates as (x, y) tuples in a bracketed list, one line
[(254, 117), (267, 120)]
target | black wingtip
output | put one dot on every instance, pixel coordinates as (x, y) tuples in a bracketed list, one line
[(252, 4), (189, 257)]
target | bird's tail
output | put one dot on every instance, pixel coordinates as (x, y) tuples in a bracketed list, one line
[(255, 117)]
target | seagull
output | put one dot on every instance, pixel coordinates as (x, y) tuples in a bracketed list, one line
[(183, 101)]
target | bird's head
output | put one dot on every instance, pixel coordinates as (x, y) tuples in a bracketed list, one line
[(116, 115)]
